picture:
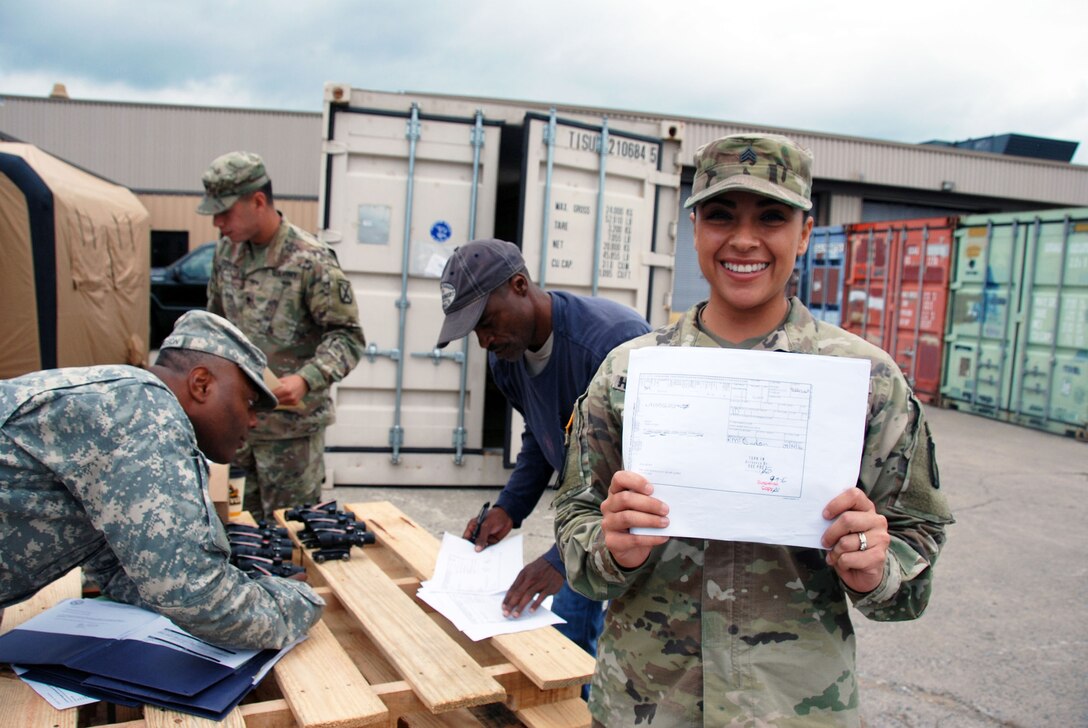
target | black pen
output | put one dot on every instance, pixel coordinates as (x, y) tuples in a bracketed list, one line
[(479, 520)]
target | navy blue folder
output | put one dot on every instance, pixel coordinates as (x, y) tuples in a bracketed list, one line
[(132, 661), (133, 672)]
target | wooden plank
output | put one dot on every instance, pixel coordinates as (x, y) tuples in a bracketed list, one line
[(26, 708), (573, 713), (16, 697), (454, 719), (548, 658), (69, 586), (323, 686), (441, 673), (412, 543), (159, 718), (522, 693), (267, 714)]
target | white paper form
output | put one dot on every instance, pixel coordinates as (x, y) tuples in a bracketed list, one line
[(744, 445), (460, 568), (92, 618), (59, 698), (468, 588)]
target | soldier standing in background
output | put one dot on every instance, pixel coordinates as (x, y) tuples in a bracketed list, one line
[(286, 291), (707, 632)]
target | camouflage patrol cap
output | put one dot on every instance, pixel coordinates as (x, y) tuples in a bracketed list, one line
[(229, 177), (212, 334), (767, 164), (473, 271)]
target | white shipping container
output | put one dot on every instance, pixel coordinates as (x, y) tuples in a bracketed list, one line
[(406, 179)]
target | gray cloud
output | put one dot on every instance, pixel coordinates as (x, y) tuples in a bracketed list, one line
[(887, 71)]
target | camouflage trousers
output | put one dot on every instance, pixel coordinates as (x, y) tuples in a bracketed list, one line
[(282, 473)]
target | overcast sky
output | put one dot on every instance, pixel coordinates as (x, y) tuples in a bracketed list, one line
[(901, 71)]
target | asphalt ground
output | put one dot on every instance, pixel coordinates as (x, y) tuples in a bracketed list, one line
[(1004, 641)]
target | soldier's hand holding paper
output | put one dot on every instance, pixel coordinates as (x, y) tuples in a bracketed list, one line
[(630, 504)]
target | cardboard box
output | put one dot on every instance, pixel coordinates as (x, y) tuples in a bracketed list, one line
[(218, 488)]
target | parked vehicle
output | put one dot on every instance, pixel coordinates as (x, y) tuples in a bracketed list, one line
[(179, 287)]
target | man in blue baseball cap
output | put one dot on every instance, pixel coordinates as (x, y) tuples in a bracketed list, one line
[(543, 348)]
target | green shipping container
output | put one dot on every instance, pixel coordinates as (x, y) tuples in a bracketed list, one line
[(1017, 335)]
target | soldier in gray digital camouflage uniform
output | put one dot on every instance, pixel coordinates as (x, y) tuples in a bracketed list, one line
[(104, 467), (286, 291), (719, 633)]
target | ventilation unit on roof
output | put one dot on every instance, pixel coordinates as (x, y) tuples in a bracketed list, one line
[(1017, 145)]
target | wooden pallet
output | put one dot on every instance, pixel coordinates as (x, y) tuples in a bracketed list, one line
[(378, 656), (16, 698)]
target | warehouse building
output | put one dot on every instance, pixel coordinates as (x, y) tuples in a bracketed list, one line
[(393, 181), (159, 151)]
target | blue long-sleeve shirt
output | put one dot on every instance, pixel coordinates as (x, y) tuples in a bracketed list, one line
[(584, 330)]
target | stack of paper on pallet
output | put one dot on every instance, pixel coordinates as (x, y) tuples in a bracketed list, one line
[(468, 588)]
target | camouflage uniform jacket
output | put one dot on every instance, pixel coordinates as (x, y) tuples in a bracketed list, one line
[(293, 301), (99, 468), (728, 633)]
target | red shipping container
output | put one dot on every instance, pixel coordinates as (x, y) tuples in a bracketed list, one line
[(868, 246), (865, 312), (933, 304), (938, 233), (922, 364), (905, 298)]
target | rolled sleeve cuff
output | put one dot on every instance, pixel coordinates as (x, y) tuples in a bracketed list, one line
[(889, 586), (605, 564), (511, 504), (315, 380)]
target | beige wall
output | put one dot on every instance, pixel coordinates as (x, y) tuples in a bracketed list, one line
[(844, 209), (178, 212)]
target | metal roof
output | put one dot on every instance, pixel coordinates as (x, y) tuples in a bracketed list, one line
[(868, 162), (859, 160), (165, 148)]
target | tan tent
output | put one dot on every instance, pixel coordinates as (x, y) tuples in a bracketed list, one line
[(74, 282)]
